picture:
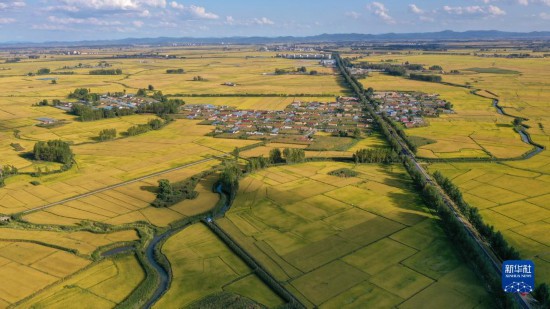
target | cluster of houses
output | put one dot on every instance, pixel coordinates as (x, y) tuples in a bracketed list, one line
[(123, 101), (411, 108), (298, 118), (109, 102), (305, 56)]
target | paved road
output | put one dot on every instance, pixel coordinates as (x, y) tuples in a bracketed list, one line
[(76, 197)]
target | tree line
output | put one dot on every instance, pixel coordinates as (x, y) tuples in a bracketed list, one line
[(175, 71), (106, 134), (453, 227), (106, 72), (5, 172), (90, 113), (153, 124), (169, 194), (497, 241), (54, 151), (375, 155), (426, 77)]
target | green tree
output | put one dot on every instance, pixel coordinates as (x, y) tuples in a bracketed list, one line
[(150, 87), (275, 156), (542, 294)]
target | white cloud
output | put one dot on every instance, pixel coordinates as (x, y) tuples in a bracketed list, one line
[(415, 9), (526, 2), (124, 5), (82, 21), (229, 20), (381, 11), (50, 27), (177, 6), (489, 11), (200, 12), (195, 11), (495, 10), (137, 23), (263, 21), (544, 16), (353, 14), (6, 20), (4, 5)]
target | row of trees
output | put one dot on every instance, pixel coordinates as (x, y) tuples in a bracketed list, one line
[(426, 77), (54, 151), (106, 134), (344, 173), (6, 171), (375, 155), (169, 194), (165, 107), (106, 72), (89, 113), (84, 95), (453, 227), (497, 241), (175, 71), (153, 124), (291, 155), (257, 163)]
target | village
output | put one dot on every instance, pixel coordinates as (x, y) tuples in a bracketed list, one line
[(342, 117), (410, 108), (111, 101)]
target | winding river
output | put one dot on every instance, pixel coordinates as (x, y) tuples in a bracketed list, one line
[(524, 137)]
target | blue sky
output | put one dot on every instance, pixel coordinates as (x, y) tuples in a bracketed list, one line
[(69, 20)]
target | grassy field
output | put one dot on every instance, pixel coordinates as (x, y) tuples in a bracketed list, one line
[(359, 241), (202, 265), (102, 285)]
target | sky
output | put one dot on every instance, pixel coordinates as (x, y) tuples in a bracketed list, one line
[(75, 20)]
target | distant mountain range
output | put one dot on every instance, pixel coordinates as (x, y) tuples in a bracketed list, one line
[(322, 38)]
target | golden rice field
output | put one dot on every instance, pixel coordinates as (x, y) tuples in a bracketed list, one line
[(252, 72), (473, 131), (103, 285), (353, 242), (131, 203), (83, 242), (203, 265), (102, 164), (27, 267), (512, 196), (513, 200)]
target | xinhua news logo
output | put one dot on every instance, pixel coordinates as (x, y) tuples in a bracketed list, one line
[(518, 276)]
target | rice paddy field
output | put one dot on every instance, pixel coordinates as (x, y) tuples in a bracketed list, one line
[(132, 202), (251, 71), (102, 285), (353, 242), (202, 266), (512, 196)]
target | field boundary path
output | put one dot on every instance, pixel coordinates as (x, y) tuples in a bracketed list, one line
[(79, 196), (495, 261)]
